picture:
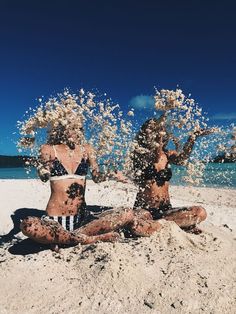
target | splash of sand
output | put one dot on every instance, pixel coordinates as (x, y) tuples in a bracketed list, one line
[(97, 120), (184, 118), (94, 120)]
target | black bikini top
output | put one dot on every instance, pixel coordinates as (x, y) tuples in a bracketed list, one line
[(58, 169), (160, 176)]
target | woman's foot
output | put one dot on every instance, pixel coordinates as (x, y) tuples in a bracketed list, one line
[(55, 248), (145, 228), (105, 237)]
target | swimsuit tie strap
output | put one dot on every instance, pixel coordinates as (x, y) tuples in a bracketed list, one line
[(55, 152)]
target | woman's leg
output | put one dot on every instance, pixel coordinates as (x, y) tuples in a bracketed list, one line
[(187, 217), (143, 224), (145, 228), (108, 222), (103, 229), (51, 232), (47, 231)]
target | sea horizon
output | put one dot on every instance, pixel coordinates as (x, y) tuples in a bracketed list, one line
[(216, 175)]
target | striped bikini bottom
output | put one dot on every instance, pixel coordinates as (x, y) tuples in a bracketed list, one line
[(69, 223)]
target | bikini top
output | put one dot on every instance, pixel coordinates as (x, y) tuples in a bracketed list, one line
[(59, 172), (160, 176)]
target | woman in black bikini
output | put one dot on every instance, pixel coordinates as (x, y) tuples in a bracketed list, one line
[(151, 163), (65, 162)]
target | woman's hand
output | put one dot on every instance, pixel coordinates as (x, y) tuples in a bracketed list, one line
[(44, 173), (182, 157), (204, 132)]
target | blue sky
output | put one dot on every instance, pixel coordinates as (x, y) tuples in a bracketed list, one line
[(123, 48)]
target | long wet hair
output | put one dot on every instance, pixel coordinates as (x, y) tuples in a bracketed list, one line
[(143, 139), (144, 152), (59, 135)]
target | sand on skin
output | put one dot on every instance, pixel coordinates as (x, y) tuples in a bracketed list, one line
[(171, 272)]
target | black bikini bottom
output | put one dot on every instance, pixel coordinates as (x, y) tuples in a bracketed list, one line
[(164, 210)]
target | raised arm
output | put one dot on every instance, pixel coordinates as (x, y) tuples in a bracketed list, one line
[(179, 158), (43, 163), (97, 175)]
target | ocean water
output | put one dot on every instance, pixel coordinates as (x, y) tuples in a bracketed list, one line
[(215, 175), (17, 173)]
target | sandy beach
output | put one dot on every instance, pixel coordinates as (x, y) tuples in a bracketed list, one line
[(170, 272)]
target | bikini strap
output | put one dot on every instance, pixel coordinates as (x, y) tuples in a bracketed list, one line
[(84, 153), (55, 152)]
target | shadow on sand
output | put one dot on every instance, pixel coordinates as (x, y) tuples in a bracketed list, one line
[(17, 246)]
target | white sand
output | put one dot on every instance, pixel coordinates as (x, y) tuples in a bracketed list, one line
[(171, 272)]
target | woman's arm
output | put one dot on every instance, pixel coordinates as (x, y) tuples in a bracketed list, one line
[(179, 158), (97, 175), (43, 163)]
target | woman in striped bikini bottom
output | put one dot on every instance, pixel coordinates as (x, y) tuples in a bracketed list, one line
[(57, 230), (69, 223), (65, 161)]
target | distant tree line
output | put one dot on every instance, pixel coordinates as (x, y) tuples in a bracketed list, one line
[(225, 158), (14, 161), (19, 161)]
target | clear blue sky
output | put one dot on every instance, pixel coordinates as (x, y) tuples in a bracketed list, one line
[(123, 48)]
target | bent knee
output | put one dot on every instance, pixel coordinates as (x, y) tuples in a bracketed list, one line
[(200, 212), (145, 228), (126, 214), (129, 214), (29, 225)]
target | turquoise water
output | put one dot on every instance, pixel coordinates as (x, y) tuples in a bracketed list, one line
[(215, 175)]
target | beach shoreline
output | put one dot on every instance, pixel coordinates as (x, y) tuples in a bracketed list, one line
[(170, 272)]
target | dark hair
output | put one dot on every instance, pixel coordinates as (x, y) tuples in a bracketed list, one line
[(157, 126), (58, 135), (144, 152)]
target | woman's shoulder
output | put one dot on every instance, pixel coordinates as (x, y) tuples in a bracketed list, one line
[(46, 147), (46, 150)]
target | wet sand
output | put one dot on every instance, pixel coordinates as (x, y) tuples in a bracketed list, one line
[(170, 272)]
